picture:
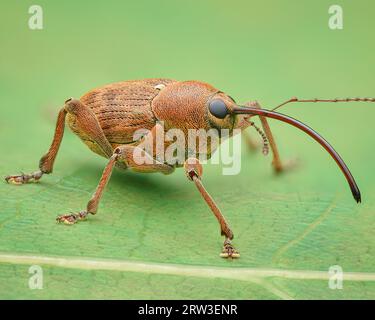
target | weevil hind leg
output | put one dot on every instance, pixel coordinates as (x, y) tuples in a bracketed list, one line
[(278, 165), (47, 161), (193, 170), (85, 123)]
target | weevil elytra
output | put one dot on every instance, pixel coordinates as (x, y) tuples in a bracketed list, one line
[(106, 119)]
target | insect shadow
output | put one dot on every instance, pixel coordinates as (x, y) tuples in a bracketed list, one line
[(151, 185)]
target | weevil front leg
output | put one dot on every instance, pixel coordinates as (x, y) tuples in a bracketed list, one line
[(277, 164), (193, 170)]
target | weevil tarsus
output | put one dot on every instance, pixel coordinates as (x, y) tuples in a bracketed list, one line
[(23, 178)]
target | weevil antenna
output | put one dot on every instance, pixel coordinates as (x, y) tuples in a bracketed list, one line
[(295, 99), (298, 124), (266, 148)]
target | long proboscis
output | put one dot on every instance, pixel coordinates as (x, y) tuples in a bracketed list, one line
[(305, 128)]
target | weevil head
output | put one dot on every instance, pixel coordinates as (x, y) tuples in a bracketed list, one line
[(219, 112), (194, 105)]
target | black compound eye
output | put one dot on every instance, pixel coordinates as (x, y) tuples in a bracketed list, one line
[(218, 108)]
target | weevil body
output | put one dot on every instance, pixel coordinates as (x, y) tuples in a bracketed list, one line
[(108, 118), (123, 108)]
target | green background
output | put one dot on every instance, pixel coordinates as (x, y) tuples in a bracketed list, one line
[(264, 50)]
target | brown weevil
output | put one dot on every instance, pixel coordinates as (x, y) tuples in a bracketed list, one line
[(106, 118)]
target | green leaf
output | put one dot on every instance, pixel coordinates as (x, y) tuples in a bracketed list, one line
[(294, 224)]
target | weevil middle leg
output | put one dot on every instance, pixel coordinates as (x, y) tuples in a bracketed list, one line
[(126, 157)]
